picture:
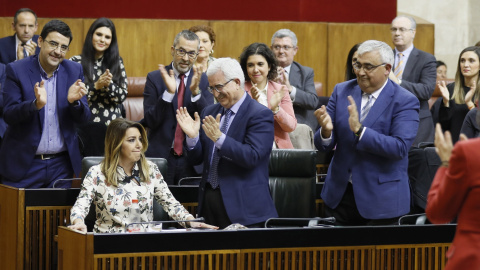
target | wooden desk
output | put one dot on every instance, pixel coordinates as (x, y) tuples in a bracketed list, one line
[(29, 220), (388, 247)]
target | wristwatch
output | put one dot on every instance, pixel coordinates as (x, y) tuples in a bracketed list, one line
[(360, 130)]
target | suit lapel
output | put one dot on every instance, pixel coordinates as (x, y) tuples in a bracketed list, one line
[(382, 103), (410, 66), (35, 77), (62, 77), (233, 129), (293, 76)]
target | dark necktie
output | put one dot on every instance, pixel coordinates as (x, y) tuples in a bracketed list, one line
[(179, 135), (213, 175)]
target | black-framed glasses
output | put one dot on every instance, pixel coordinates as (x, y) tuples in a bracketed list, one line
[(366, 67), (54, 45), (401, 29), (218, 87), (284, 47), (182, 52)]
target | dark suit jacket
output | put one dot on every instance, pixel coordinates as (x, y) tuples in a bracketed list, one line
[(8, 51), (3, 126), (378, 161), (455, 193), (419, 77), (306, 99), (25, 122), (243, 165), (160, 116)]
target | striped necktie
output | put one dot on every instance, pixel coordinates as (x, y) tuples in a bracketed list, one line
[(399, 68), (366, 108), (213, 174)]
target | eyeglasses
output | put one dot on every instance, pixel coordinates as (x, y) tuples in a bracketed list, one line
[(218, 87), (284, 47), (366, 67), (401, 29), (182, 52), (54, 45)]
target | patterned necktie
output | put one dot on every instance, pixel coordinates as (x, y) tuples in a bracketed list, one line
[(367, 107), (179, 135), (213, 175), (399, 68)]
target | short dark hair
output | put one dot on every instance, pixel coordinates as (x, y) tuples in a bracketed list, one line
[(56, 26), (15, 18), (440, 63), (188, 35), (349, 74), (263, 50)]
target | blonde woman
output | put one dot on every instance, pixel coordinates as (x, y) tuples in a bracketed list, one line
[(124, 175)]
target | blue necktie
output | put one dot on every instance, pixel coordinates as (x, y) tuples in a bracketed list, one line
[(213, 175), (366, 108)]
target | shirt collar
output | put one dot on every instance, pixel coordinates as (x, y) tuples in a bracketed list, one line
[(239, 103), (287, 69), (377, 92), (42, 71), (406, 52)]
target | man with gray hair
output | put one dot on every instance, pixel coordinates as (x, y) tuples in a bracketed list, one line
[(414, 70), (235, 144), (167, 89), (372, 122), (297, 78)]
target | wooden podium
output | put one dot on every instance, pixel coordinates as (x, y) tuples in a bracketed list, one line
[(386, 247)]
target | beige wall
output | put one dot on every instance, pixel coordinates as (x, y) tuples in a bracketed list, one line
[(145, 43), (457, 25)]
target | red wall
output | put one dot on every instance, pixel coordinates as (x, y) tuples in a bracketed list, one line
[(355, 11)]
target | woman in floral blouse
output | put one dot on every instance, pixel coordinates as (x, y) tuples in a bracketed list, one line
[(104, 72), (123, 175)]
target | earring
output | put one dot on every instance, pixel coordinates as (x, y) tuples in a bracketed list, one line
[(211, 52)]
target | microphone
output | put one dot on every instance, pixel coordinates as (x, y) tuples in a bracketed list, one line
[(152, 224), (301, 222)]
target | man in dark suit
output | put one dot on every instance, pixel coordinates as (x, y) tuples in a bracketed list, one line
[(44, 98), (414, 70), (24, 42), (372, 122), (297, 78), (235, 144), (166, 89), (3, 126)]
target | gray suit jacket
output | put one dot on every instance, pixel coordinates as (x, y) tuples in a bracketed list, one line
[(419, 77), (306, 99)]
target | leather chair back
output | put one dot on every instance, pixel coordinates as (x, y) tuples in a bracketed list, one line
[(292, 178)]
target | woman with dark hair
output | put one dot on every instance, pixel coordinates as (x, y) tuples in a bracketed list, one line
[(260, 69), (207, 41), (124, 175), (441, 70), (351, 59), (460, 97), (104, 72)]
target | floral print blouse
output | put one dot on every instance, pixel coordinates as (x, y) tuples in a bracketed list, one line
[(105, 103), (112, 204)]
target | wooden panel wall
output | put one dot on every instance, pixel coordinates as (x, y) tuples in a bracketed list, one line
[(145, 43)]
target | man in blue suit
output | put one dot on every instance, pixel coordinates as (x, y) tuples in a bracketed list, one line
[(367, 180), (24, 42), (235, 144), (44, 98), (166, 89), (3, 126)]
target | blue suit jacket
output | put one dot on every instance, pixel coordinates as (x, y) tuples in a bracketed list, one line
[(25, 122), (160, 116), (419, 77), (8, 50), (243, 165), (378, 161), (3, 126)]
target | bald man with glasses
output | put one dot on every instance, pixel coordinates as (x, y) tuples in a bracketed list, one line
[(414, 70)]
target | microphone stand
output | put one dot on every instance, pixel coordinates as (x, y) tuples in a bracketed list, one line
[(312, 222)]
